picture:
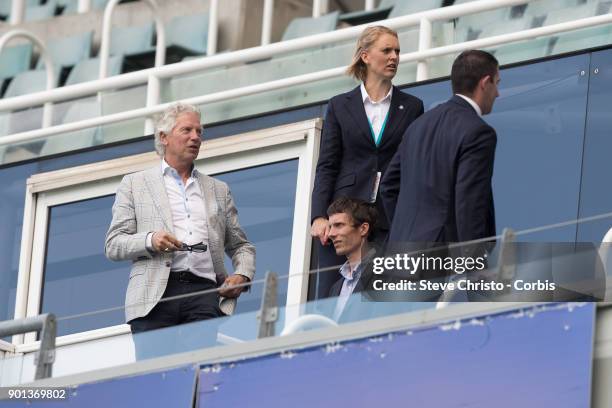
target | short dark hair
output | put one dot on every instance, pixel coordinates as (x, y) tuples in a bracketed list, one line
[(469, 68), (358, 210)]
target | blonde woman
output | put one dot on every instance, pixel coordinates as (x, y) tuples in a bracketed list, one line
[(361, 133)]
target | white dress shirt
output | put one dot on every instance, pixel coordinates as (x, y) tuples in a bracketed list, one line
[(471, 102), (189, 221), (376, 111), (351, 277)]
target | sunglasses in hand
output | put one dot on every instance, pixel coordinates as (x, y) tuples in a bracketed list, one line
[(199, 247)]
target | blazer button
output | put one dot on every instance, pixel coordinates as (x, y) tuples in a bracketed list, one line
[(168, 264)]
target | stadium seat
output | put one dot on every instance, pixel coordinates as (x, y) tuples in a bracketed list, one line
[(89, 69), (572, 13), (72, 6), (14, 60), (506, 27), (188, 33), (42, 12), (361, 16), (404, 8), (586, 38), (5, 7), (68, 51), (304, 26), (475, 21), (28, 82), (131, 40), (541, 8), (522, 51), (78, 139)]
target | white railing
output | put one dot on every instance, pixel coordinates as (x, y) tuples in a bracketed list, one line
[(423, 19)]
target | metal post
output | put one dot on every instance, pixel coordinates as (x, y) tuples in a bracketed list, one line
[(213, 27), (506, 264), (268, 313), (319, 7), (46, 354), (153, 91), (424, 44), (266, 24), (17, 12), (84, 6), (369, 5)]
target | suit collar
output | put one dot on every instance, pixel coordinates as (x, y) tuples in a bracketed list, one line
[(457, 100), (472, 103), (365, 95), (354, 105), (397, 111)]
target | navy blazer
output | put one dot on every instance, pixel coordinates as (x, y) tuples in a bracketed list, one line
[(349, 158), (437, 188)]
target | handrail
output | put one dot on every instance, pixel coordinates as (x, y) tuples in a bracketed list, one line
[(47, 325), (305, 78), (160, 47), (48, 106)]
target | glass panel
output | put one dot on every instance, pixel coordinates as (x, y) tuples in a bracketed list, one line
[(77, 276), (541, 110), (595, 196), (12, 191), (11, 370), (265, 198)]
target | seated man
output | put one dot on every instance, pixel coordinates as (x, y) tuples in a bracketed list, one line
[(351, 222)]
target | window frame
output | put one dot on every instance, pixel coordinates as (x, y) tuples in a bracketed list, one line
[(299, 141)]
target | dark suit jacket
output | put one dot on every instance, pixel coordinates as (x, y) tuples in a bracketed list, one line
[(355, 309), (438, 185), (349, 159)]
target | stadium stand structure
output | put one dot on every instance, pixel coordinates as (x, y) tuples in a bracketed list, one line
[(262, 108)]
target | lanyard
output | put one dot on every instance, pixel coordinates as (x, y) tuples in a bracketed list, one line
[(382, 129)]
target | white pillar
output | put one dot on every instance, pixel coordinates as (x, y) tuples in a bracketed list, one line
[(266, 24)]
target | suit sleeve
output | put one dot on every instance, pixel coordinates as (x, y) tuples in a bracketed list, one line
[(123, 242), (390, 184), (237, 247), (328, 166), (473, 193)]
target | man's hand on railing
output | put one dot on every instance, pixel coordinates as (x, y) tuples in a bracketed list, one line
[(227, 291)]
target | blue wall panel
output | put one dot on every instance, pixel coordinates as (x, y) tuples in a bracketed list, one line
[(538, 357), (174, 388)]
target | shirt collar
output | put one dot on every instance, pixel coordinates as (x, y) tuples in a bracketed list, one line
[(365, 96), (345, 268), (165, 167), (471, 102)]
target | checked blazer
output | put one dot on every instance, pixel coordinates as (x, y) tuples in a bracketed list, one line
[(141, 206)]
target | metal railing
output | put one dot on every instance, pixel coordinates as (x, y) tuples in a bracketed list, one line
[(152, 76), (47, 325)]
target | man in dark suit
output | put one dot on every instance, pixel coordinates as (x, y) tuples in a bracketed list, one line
[(351, 222), (437, 188)]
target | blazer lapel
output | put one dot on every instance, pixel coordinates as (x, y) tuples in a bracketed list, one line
[(212, 219), (155, 183), (354, 105), (397, 112)]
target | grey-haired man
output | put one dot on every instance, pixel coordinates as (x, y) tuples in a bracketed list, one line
[(160, 210)]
